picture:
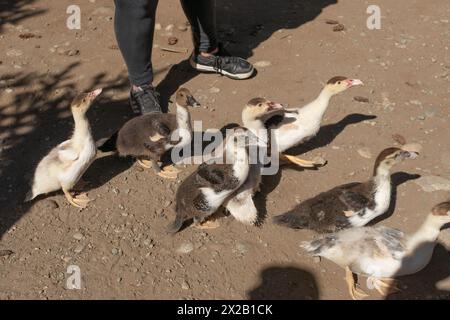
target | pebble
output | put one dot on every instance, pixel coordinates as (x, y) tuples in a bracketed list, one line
[(182, 27), (185, 285), (158, 26), (78, 236), (185, 248), (433, 183), (115, 251), (262, 64), (78, 248), (365, 153), (169, 27), (14, 53), (9, 90), (214, 90), (172, 41)]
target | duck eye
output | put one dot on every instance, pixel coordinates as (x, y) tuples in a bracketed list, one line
[(339, 82), (84, 100), (260, 105)]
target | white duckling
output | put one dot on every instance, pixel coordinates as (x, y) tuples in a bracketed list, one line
[(66, 163), (255, 113), (381, 253), (302, 124)]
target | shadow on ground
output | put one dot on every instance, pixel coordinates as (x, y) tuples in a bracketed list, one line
[(285, 283)]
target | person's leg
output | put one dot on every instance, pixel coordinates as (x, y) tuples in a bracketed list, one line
[(202, 17), (208, 56), (134, 26)]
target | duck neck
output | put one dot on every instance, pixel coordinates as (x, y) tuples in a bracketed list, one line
[(257, 127), (382, 175), (316, 109), (427, 233), (82, 128), (183, 118)]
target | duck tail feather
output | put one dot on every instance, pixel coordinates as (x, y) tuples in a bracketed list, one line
[(110, 144)]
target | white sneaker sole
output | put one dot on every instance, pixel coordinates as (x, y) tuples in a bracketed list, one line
[(239, 76)]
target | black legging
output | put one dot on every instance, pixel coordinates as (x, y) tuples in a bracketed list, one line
[(134, 26)]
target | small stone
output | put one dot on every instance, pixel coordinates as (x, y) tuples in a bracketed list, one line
[(185, 248), (78, 236), (115, 251), (169, 27), (339, 27), (158, 26), (421, 117), (172, 41), (262, 64), (361, 99), (9, 90), (214, 90), (433, 183), (185, 285), (330, 21), (73, 52), (182, 27), (365, 153), (317, 259), (78, 248), (167, 203), (14, 53)]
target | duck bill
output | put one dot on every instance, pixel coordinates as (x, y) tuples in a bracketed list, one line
[(409, 154), (354, 82), (94, 94), (275, 106), (192, 102)]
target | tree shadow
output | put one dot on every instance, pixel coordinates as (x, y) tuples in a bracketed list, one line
[(241, 32), (36, 119), (422, 285), (285, 283), (15, 11), (397, 179)]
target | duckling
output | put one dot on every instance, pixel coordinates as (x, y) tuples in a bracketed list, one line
[(348, 205), (302, 124), (150, 136), (381, 253), (205, 190), (254, 116), (66, 163)]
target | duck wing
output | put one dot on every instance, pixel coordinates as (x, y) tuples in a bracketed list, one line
[(66, 153), (212, 174), (391, 242)]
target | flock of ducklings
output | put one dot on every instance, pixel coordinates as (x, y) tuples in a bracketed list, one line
[(339, 214)]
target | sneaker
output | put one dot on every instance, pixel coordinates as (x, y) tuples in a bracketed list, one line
[(223, 63), (145, 100)]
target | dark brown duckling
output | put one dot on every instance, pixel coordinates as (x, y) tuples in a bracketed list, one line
[(206, 189), (150, 136), (348, 205)]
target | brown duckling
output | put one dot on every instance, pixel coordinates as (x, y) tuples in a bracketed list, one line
[(206, 189), (66, 163), (150, 136), (349, 205)]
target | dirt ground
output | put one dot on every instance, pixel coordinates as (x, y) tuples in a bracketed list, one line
[(119, 241)]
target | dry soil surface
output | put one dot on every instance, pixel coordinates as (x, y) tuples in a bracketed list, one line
[(119, 241)]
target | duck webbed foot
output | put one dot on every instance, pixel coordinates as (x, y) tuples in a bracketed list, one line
[(384, 286), (169, 172), (208, 223), (147, 164), (79, 201), (355, 292), (317, 162)]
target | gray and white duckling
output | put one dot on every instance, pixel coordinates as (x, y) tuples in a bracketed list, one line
[(150, 136), (206, 189), (254, 116), (67, 162), (303, 123), (381, 253), (349, 205)]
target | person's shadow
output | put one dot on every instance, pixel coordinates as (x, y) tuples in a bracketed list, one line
[(241, 27), (285, 283), (422, 285)]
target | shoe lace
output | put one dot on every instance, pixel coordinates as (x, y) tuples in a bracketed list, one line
[(220, 62)]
